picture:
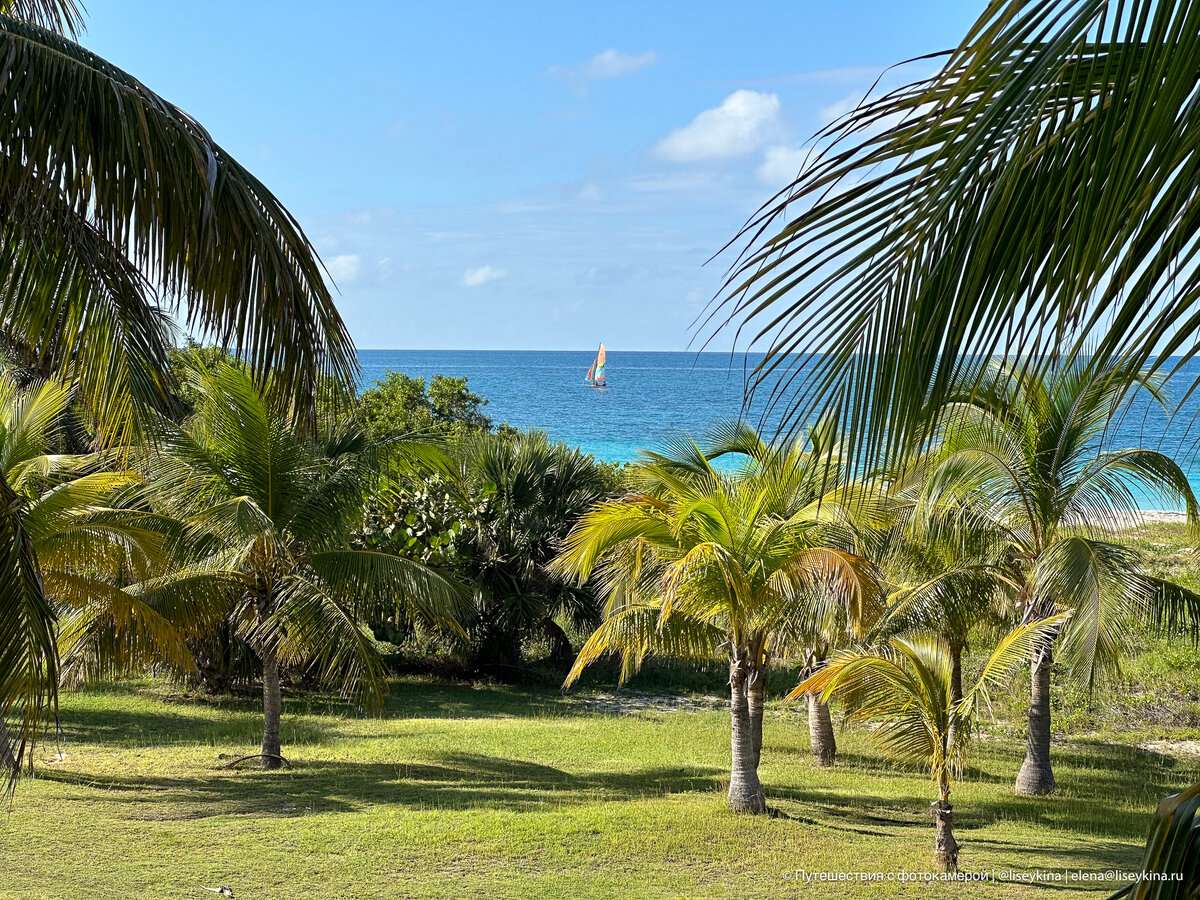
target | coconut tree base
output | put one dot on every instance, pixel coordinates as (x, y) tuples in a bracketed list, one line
[(945, 848), (1035, 779), (745, 790), (746, 796)]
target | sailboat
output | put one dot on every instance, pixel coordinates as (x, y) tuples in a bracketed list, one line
[(595, 375)]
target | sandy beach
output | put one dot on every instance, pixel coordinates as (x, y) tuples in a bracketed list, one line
[(1150, 517)]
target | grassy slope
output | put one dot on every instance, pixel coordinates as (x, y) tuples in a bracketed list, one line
[(492, 792)]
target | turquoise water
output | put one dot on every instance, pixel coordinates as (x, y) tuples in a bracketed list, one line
[(652, 396), (649, 395)]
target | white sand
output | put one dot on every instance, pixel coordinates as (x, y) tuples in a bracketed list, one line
[(1151, 517)]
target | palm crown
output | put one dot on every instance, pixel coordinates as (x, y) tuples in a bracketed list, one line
[(269, 514), (698, 560)]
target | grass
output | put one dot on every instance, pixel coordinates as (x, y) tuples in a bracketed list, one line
[(493, 792), (486, 791)]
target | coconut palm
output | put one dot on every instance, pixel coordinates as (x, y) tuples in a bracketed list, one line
[(1028, 452), (99, 564), (117, 211), (804, 472), (697, 561), (907, 690), (949, 571), (268, 515), (1035, 196)]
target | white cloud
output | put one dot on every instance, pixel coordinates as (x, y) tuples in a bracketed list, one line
[(482, 275), (603, 66), (834, 111), (743, 122), (781, 165), (343, 268), (614, 64), (590, 193)]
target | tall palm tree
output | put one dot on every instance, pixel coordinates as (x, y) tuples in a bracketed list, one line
[(1029, 452), (268, 516), (117, 211), (698, 561), (1036, 196), (907, 688)]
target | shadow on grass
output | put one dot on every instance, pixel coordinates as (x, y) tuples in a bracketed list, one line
[(452, 781), (200, 719), (877, 801)]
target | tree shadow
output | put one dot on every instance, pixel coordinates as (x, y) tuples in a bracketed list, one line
[(452, 781)]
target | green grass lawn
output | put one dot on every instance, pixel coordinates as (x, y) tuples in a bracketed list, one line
[(484, 791)]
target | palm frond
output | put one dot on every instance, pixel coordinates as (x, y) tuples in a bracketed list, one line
[(1035, 197), (151, 181)]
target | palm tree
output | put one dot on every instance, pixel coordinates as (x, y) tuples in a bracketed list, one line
[(98, 563), (268, 516), (1035, 197), (949, 571), (1028, 452), (908, 690), (117, 211), (698, 561), (533, 492), (806, 474)]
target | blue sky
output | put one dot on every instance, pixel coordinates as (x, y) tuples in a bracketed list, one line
[(519, 175)]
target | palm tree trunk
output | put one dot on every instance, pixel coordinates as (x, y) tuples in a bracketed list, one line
[(745, 790), (8, 756), (272, 704), (820, 731), (756, 696), (956, 690), (945, 848), (1036, 776)]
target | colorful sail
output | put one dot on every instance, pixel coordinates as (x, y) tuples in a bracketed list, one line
[(598, 378)]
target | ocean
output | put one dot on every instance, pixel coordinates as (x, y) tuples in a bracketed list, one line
[(652, 396)]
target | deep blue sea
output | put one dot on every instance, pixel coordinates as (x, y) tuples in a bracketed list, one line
[(651, 396)]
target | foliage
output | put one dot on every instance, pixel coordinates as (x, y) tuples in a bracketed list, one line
[(907, 690), (97, 562), (400, 405), (693, 562), (1033, 197), (268, 515), (495, 519), (1172, 850), (1028, 452), (118, 210)]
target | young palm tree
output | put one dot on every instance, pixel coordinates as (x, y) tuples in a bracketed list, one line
[(1032, 197), (97, 563), (908, 690), (268, 515), (1028, 452), (117, 211), (803, 473), (950, 570), (699, 561)]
